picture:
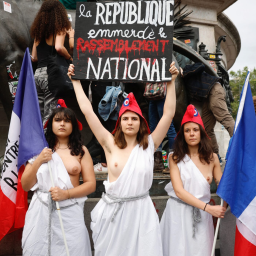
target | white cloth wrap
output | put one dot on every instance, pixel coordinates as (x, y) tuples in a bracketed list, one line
[(135, 230), (35, 232), (177, 222)]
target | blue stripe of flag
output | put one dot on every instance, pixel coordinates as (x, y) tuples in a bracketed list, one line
[(26, 107), (238, 183)]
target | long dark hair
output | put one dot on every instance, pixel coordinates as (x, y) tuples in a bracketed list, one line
[(142, 135), (75, 138), (181, 147), (51, 19)]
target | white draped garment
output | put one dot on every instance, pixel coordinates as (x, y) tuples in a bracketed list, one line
[(36, 232), (135, 230), (177, 222)]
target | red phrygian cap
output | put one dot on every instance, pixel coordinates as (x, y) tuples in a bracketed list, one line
[(192, 115), (130, 104), (61, 104)]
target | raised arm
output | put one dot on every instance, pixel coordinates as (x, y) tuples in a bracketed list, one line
[(103, 136), (185, 196), (169, 109)]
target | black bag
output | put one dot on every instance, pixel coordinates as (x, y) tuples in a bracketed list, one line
[(59, 83)]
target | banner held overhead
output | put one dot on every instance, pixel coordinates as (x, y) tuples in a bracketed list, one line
[(124, 41)]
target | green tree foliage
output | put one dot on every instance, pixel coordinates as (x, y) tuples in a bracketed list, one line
[(236, 82)]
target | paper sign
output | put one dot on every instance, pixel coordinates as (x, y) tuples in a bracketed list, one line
[(124, 41), (7, 7)]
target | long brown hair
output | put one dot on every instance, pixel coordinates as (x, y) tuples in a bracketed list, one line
[(75, 139), (51, 19), (142, 135), (181, 147)]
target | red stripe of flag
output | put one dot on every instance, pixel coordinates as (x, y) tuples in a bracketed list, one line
[(242, 246), (21, 202), (12, 215), (7, 214)]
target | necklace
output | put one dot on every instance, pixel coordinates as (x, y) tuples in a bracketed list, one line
[(61, 148)]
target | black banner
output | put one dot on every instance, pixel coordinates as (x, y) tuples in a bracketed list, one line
[(124, 41)]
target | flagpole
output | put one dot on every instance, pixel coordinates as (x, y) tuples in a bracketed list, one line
[(58, 209), (216, 232)]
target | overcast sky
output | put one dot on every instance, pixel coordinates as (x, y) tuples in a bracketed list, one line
[(243, 15)]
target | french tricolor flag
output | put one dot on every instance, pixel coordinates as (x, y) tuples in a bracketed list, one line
[(25, 140), (238, 183)]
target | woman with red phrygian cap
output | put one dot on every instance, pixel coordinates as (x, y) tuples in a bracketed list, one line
[(186, 224), (125, 222)]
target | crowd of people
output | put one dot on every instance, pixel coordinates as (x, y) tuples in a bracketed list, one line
[(124, 222)]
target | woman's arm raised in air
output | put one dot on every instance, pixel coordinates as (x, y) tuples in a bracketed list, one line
[(216, 210), (28, 179), (84, 189), (169, 109), (103, 136)]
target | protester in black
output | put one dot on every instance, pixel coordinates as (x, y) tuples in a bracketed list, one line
[(49, 29)]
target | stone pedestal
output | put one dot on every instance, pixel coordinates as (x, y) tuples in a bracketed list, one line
[(212, 23)]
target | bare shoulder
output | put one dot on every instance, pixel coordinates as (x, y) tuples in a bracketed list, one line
[(86, 152), (85, 149), (86, 158), (215, 158), (171, 161)]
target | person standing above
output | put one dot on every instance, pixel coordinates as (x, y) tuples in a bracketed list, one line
[(125, 222), (186, 224), (49, 29)]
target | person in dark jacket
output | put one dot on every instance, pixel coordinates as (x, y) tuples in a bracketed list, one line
[(208, 90)]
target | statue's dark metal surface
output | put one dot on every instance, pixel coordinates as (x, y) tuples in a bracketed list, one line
[(221, 71)]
